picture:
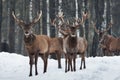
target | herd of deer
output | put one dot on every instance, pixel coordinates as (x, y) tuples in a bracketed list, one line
[(70, 44)]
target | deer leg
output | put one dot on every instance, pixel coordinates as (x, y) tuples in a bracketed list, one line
[(31, 63), (36, 60), (59, 59), (81, 63), (66, 57), (74, 62), (70, 62), (84, 61), (45, 62)]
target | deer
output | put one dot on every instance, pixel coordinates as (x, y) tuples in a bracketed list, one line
[(36, 45), (57, 48), (107, 42), (73, 44), (56, 45)]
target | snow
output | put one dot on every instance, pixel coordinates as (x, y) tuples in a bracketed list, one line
[(16, 67)]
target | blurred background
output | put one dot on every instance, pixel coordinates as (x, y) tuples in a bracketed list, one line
[(102, 12)]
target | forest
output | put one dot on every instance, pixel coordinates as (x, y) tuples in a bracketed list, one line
[(100, 12)]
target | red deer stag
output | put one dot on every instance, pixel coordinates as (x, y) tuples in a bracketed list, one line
[(73, 44), (107, 42), (35, 44)]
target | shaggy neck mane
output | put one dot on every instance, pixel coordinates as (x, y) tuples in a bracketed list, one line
[(72, 41), (30, 39)]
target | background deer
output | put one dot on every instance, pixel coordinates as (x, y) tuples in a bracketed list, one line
[(108, 43), (57, 48), (35, 44)]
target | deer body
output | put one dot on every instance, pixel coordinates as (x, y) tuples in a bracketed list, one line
[(70, 47), (35, 43), (71, 43), (57, 48), (110, 44), (82, 47)]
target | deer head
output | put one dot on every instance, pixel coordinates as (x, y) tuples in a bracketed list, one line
[(78, 22), (102, 32), (27, 27)]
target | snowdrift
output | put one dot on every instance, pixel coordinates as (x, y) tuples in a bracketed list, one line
[(16, 67)]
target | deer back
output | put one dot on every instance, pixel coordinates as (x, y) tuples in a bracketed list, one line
[(42, 43), (82, 44), (55, 44)]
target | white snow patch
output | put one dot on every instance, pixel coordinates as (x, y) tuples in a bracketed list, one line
[(16, 67)]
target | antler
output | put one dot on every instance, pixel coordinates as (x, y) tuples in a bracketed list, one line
[(84, 17), (63, 32), (103, 31), (20, 22), (60, 16), (96, 30), (52, 22), (36, 19), (108, 28), (79, 21)]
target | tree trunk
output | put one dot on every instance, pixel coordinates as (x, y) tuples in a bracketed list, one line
[(99, 11), (44, 17), (19, 30), (108, 14), (0, 21), (52, 17), (35, 10), (81, 33), (86, 31), (12, 28)]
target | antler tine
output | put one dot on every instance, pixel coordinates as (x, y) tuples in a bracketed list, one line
[(84, 17), (38, 17), (60, 15), (68, 22), (77, 21), (108, 28), (20, 22), (13, 14), (96, 30), (53, 22)]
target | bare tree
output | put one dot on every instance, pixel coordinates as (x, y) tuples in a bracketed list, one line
[(44, 17), (99, 11), (12, 27), (69, 8), (0, 20)]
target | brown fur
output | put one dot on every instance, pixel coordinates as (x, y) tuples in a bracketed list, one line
[(37, 45), (82, 46), (56, 46), (70, 49), (110, 43)]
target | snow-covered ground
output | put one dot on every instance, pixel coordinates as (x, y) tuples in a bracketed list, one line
[(16, 67)]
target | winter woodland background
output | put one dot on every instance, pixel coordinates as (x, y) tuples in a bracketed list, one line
[(100, 11)]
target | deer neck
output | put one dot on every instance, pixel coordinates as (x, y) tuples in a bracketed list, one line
[(72, 41), (30, 39)]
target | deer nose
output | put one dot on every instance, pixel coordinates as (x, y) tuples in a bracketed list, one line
[(26, 32)]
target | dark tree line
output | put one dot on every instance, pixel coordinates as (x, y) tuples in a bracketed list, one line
[(100, 11)]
